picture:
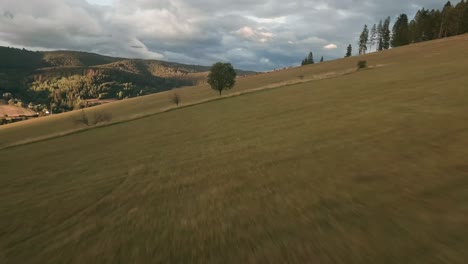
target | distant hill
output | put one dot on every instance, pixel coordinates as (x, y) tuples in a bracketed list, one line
[(63, 80)]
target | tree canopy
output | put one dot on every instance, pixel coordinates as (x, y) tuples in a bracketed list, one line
[(222, 76)]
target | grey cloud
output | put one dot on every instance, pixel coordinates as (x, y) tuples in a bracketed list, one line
[(8, 14), (257, 35)]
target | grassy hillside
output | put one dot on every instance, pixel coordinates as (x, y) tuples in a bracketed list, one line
[(338, 166)]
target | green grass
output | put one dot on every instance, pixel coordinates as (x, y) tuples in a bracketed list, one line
[(366, 167)]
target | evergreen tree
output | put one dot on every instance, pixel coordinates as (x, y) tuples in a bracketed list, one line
[(321, 59), (363, 39), (386, 36), (380, 36), (434, 21), (412, 31), (400, 32), (447, 21), (433, 24), (310, 58), (349, 51), (422, 29), (464, 19), (373, 36), (458, 20)]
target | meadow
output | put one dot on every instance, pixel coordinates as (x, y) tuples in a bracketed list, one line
[(315, 164)]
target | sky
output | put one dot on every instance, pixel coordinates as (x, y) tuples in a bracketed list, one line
[(257, 35)]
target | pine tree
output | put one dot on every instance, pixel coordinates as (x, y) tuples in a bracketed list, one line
[(321, 59), (349, 51), (458, 19), (412, 31), (363, 39), (464, 19), (447, 21), (380, 36), (433, 24), (386, 37), (310, 58), (400, 32), (434, 20), (424, 21), (373, 36)]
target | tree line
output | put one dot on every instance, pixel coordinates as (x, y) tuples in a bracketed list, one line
[(310, 59), (426, 25)]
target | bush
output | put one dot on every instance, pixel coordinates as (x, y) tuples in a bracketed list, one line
[(82, 119), (175, 98), (102, 117), (98, 117), (362, 64)]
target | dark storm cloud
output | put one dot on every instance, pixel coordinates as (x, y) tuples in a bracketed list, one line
[(8, 14), (258, 35)]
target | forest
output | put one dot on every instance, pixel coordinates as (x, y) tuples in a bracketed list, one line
[(451, 20), (426, 25)]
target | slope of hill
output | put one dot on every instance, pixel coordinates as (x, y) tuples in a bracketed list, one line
[(321, 164), (62, 80)]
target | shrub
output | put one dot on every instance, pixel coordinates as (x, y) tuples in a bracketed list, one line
[(175, 98), (102, 117), (98, 117), (362, 64), (82, 119)]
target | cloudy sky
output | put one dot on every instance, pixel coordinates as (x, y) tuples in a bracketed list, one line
[(255, 35)]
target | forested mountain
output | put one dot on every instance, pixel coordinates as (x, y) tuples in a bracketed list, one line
[(63, 80)]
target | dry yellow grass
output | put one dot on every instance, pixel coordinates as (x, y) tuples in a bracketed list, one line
[(365, 167), (60, 124)]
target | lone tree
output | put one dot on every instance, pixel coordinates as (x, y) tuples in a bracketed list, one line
[(222, 77)]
